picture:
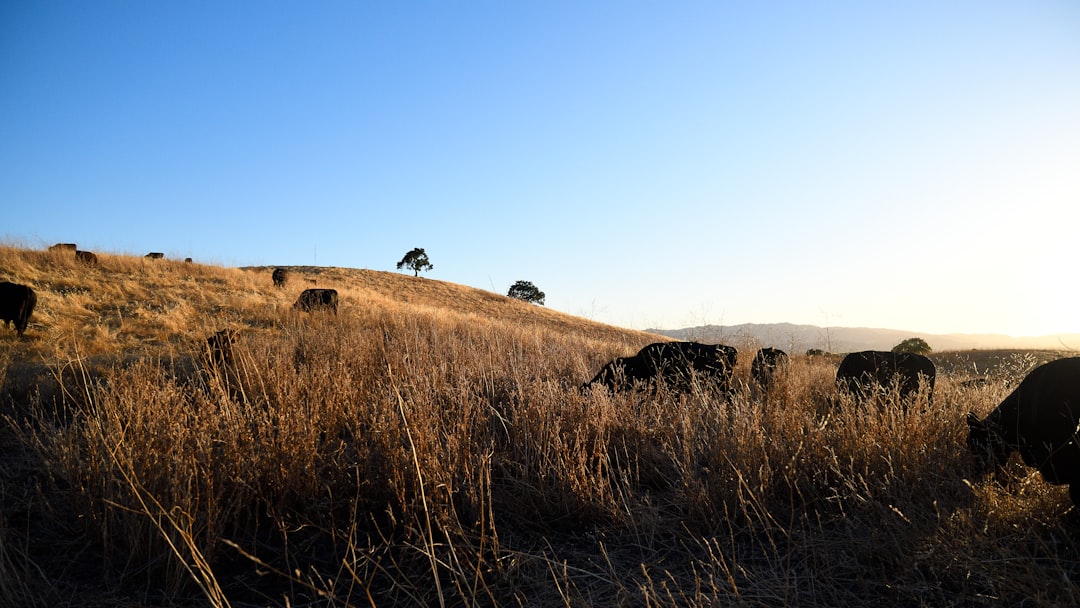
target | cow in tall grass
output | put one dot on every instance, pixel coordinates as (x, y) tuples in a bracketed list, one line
[(765, 365), (673, 364), (219, 347), (64, 247), (16, 305), (221, 366), (1039, 419), (864, 373), (279, 276), (86, 257), (317, 299)]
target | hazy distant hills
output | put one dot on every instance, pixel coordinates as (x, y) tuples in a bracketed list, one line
[(799, 338)]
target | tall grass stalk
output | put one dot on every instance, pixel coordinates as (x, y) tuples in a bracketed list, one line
[(429, 537)]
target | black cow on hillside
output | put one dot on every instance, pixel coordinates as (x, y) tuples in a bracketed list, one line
[(219, 347), (280, 276), (86, 257), (221, 364), (154, 255), (673, 363), (64, 247), (16, 305), (765, 365), (1039, 419), (317, 299), (621, 372), (864, 372)]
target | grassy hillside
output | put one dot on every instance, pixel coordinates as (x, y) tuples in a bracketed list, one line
[(429, 446), (127, 308), (127, 304)]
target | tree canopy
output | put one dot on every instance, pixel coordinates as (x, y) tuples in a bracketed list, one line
[(526, 291), (416, 260), (913, 345)]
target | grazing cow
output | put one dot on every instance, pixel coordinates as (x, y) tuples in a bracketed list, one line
[(64, 247), (220, 363), (154, 255), (219, 347), (673, 363), (620, 373), (280, 276), (86, 257), (1039, 420), (187, 260), (16, 305), (863, 372), (315, 299), (765, 364)]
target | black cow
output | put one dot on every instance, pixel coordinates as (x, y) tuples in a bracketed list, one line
[(63, 247), (620, 373), (16, 304), (673, 363), (154, 255), (315, 299), (219, 347), (1039, 420), (280, 276), (765, 364), (86, 257), (864, 372)]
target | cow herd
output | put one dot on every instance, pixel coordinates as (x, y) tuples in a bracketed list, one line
[(1039, 419), (17, 301), (310, 300), (675, 364), (88, 257)]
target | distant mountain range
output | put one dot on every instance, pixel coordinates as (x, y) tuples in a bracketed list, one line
[(800, 338)]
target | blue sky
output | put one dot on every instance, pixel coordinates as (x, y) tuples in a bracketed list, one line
[(912, 165)]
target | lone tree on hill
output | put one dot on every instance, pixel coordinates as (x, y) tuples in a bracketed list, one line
[(526, 291), (917, 346), (417, 260)]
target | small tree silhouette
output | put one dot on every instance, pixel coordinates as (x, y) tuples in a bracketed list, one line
[(417, 260), (913, 345), (526, 291)]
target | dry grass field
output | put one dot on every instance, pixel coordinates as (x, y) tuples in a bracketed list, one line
[(429, 446)]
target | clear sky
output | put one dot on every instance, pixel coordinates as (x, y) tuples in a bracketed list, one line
[(909, 165)]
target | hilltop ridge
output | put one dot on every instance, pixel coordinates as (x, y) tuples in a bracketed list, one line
[(442, 295), (799, 338), (131, 306)]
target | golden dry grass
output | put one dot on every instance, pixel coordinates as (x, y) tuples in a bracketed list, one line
[(429, 446)]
